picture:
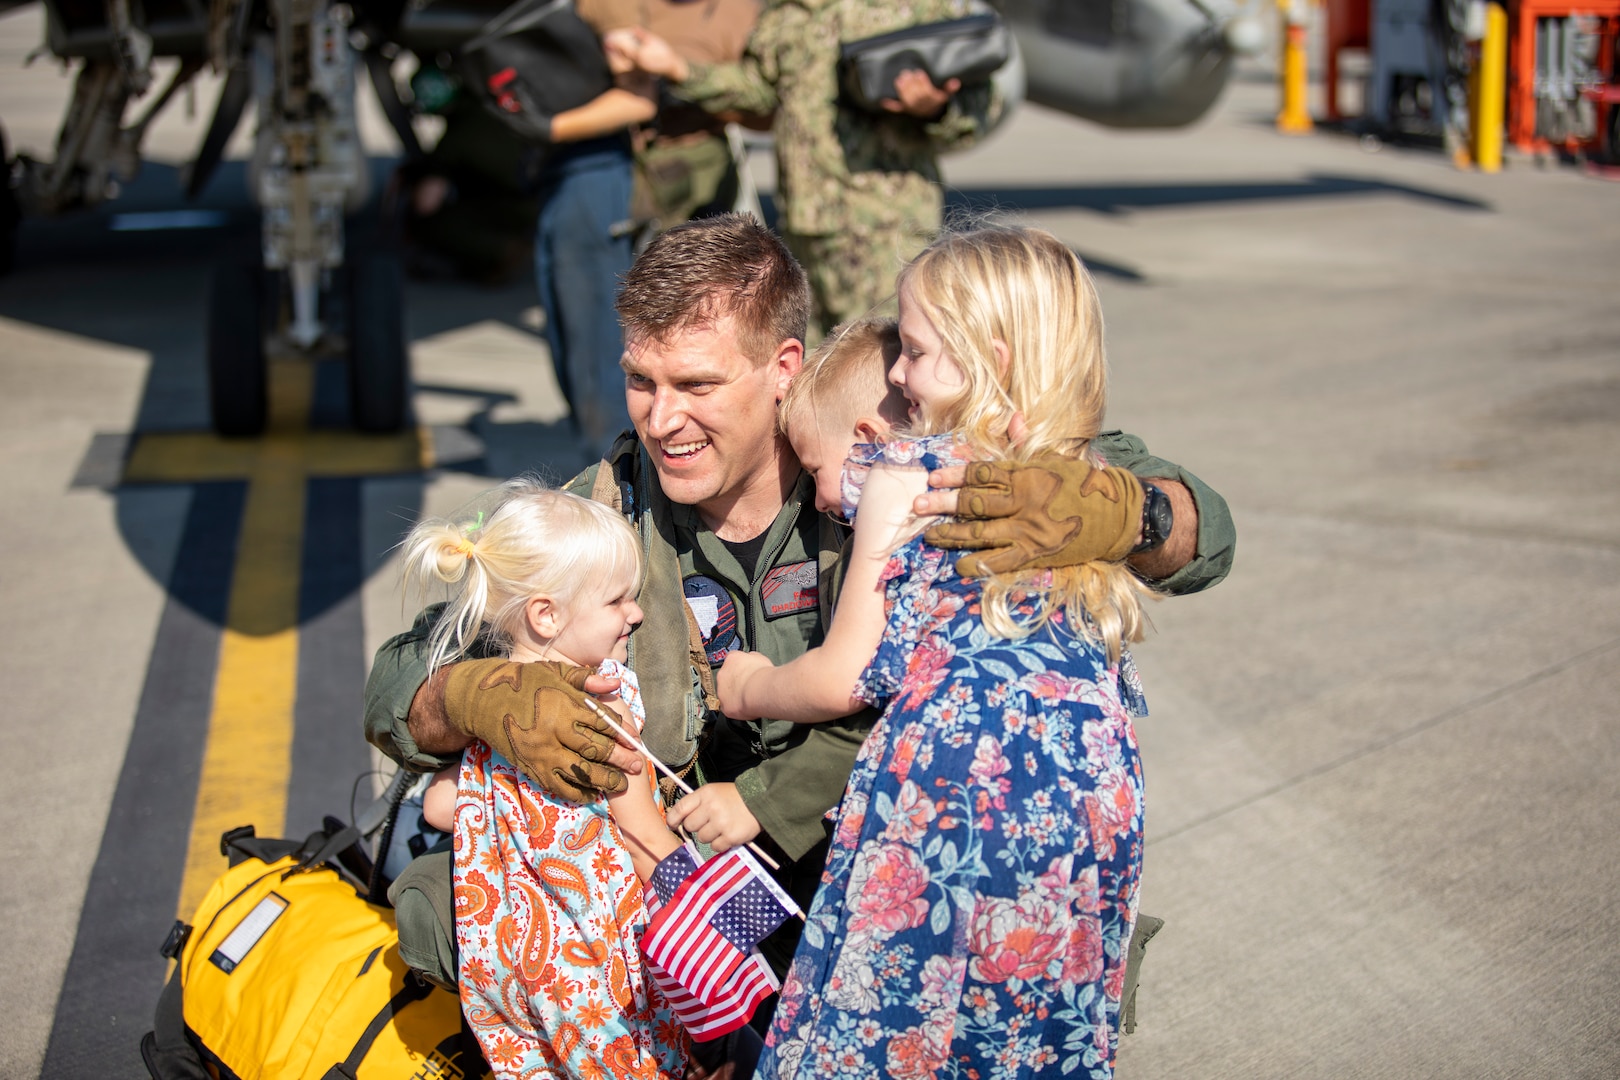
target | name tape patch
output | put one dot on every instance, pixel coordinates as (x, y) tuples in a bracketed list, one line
[(790, 589)]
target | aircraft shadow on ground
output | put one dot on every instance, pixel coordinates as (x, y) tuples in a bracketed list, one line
[(147, 290), (1124, 198)]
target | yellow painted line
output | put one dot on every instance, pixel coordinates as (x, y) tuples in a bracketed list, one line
[(248, 758), (188, 457), (247, 761)]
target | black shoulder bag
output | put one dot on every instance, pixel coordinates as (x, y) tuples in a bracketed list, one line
[(970, 49), (534, 60)]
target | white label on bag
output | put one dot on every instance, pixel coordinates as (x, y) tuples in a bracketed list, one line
[(248, 932)]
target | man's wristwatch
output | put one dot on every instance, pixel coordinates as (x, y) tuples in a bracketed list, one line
[(1157, 519)]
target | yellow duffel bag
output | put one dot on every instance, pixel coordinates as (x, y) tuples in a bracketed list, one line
[(287, 972)]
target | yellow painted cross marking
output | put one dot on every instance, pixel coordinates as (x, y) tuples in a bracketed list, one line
[(248, 757)]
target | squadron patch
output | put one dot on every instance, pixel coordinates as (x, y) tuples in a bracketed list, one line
[(790, 589), (716, 616)]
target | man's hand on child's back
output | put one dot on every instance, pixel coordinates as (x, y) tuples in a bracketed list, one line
[(535, 716), (1049, 512), (716, 815)]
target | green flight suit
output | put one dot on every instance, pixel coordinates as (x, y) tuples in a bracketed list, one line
[(789, 775)]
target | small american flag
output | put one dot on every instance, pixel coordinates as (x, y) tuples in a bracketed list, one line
[(751, 983), (710, 924), (670, 874)]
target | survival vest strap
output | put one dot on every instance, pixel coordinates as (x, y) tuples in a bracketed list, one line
[(665, 650), (287, 972), (663, 659)]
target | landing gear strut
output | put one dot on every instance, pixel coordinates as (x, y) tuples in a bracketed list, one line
[(308, 169), (379, 375), (238, 387)]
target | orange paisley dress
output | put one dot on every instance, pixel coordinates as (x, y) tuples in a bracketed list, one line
[(548, 914)]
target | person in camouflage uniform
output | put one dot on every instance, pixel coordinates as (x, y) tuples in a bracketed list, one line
[(858, 192)]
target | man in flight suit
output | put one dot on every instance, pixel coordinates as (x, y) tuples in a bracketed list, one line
[(714, 315)]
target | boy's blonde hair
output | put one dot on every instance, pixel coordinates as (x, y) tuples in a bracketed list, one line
[(532, 540), (847, 378), (1023, 287)]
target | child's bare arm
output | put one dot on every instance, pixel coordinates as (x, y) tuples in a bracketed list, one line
[(820, 684), (641, 824), (439, 800)]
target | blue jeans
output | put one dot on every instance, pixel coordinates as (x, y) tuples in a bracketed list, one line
[(582, 250)]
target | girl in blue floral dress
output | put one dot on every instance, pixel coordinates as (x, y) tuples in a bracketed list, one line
[(977, 903)]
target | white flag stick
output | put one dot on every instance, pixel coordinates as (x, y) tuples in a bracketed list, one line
[(619, 730)]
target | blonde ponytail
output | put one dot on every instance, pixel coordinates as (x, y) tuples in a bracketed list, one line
[(536, 541), (439, 552)]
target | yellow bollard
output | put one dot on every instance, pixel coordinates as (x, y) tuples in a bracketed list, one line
[(1490, 98), (1294, 117)]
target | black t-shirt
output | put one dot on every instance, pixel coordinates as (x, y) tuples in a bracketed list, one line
[(747, 552)]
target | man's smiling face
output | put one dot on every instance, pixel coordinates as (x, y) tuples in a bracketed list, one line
[(706, 413)]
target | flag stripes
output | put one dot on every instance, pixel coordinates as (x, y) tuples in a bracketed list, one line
[(753, 983), (683, 942)]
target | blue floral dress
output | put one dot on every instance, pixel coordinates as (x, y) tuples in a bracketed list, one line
[(977, 903)]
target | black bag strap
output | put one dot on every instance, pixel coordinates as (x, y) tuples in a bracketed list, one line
[(377, 887), (322, 847), (241, 844), (519, 17), (415, 990)]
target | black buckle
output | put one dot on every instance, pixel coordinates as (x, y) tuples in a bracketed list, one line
[(179, 934), (241, 832)]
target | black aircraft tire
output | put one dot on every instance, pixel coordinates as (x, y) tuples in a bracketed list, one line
[(238, 376), (379, 370), (10, 212)]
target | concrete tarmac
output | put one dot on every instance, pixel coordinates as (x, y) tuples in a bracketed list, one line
[(1383, 760)]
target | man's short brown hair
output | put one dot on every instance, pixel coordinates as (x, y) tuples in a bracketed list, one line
[(705, 270)]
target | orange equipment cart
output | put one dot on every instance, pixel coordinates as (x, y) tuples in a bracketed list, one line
[(1348, 27), (1550, 85)]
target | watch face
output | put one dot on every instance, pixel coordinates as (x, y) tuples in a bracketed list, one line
[(1156, 519), (1159, 515)]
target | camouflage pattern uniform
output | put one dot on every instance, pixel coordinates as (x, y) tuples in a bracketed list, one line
[(858, 191)]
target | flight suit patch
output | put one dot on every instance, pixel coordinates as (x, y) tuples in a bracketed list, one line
[(716, 616), (790, 589)]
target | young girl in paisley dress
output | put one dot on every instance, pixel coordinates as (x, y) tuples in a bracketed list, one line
[(977, 903), (548, 900)]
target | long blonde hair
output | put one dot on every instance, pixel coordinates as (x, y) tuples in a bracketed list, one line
[(1024, 288), (533, 541)]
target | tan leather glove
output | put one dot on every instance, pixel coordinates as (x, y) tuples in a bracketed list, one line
[(532, 713), (1050, 512)]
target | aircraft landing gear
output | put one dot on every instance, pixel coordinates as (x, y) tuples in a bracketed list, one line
[(379, 372), (238, 375), (308, 169), (245, 309)]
